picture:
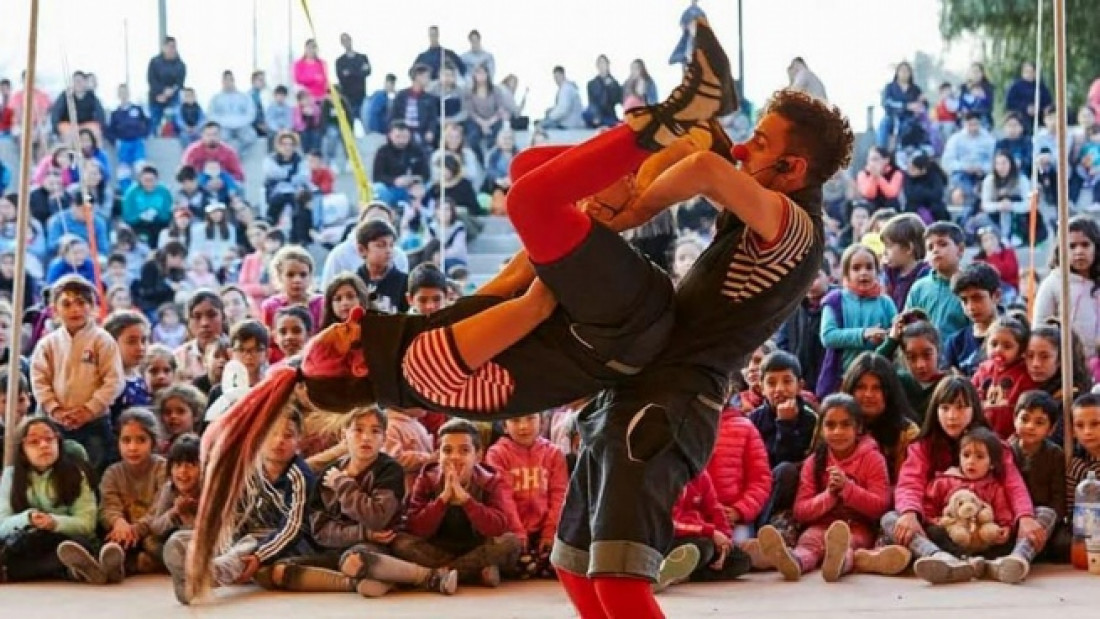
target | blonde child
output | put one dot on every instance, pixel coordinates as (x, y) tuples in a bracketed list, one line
[(130, 487)]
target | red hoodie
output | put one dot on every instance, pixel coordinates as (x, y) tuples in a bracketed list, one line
[(739, 466), (489, 509), (698, 513), (922, 464), (1006, 264), (865, 497), (1000, 387), (987, 488), (539, 481)]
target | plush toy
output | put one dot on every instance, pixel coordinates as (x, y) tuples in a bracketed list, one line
[(968, 521)]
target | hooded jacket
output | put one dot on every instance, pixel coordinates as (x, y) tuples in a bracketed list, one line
[(988, 489), (864, 499), (539, 481), (490, 509), (738, 468), (698, 513)]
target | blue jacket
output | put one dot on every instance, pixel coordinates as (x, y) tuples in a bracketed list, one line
[(64, 222), (895, 100), (786, 441), (59, 268), (378, 112), (1021, 94), (128, 123)]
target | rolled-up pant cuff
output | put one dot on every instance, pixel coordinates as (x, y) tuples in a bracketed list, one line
[(608, 558)]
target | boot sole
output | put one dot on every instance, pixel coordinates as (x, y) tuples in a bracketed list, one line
[(938, 572), (775, 550), (888, 561), (678, 566), (112, 560), (175, 561), (1008, 572), (716, 57), (75, 557), (449, 584), (837, 540)]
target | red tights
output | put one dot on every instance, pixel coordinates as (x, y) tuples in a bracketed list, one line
[(610, 597)]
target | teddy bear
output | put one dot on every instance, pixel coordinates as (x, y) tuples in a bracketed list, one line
[(968, 521)]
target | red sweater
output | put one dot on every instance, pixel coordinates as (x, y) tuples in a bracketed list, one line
[(539, 481), (1000, 387), (323, 179), (1008, 267), (698, 513), (739, 466), (198, 154), (865, 497), (924, 462), (987, 488), (489, 509)]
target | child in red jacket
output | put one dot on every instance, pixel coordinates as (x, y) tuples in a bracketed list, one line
[(1003, 376), (843, 491), (740, 472), (460, 513), (539, 479), (704, 549)]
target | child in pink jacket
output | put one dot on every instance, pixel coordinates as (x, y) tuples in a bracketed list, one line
[(843, 490), (740, 472), (539, 481)]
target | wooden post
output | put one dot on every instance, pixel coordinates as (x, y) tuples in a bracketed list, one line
[(22, 222)]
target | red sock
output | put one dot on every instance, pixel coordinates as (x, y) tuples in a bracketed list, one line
[(627, 598), (530, 158), (541, 203), (582, 593)]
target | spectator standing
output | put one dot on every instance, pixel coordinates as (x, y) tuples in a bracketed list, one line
[(40, 115), (234, 112), (166, 75), (89, 111), (681, 54), (1020, 97), (310, 72), (433, 57), (477, 55), (568, 111), (352, 70), (417, 109)]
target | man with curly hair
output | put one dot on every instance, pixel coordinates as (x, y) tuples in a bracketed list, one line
[(644, 440)]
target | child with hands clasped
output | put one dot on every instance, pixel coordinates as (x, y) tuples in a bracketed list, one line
[(76, 371), (129, 489), (844, 489), (178, 500), (954, 410)]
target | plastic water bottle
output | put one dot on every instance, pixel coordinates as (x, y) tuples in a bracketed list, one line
[(1086, 519)]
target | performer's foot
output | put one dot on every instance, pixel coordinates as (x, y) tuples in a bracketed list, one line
[(707, 91), (720, 141)]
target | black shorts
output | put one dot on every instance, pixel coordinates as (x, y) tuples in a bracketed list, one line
[(620, 306), (640, 448)]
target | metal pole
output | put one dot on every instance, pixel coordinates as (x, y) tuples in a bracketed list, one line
[(740, 48), (255, 34), (1063, 217), (126, 47), (22, 222), (290, 40), (162, 19), (1034, 216), (442, 165)]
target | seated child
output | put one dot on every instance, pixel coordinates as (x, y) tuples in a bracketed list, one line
[(740, 473), (844, 489), (178, 500), (460, 513), (978, 288), (179, 409), (1042, 462), (275, 509), (752, 398), (131, 330), (980, 472), (1086, 429), (129, 489), (1003, 376), (537, 470)]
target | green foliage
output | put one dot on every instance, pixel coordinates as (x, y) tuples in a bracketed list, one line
[(1007, 31)]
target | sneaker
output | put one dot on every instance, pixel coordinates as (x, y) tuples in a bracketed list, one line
[(112, 560), (677, 566), (943, 568), (838, 539), (758, 561), (738, 563), (707, 91), (81, 564), (775, 549), (175, 560), (443, 580), (1010, 570), (887, 561), (490, 576)]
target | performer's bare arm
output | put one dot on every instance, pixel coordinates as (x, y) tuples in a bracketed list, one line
[(486, 334), (708, 174)]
